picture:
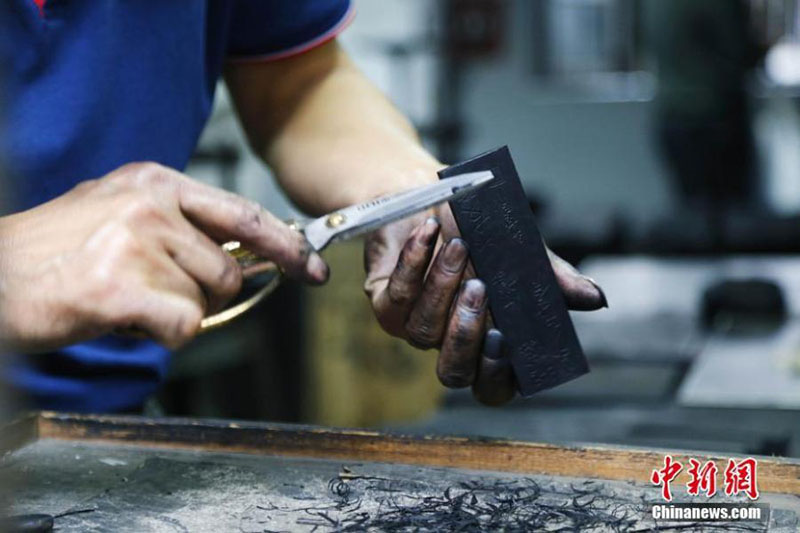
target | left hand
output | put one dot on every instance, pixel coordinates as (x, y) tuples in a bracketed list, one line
[(424, 290)]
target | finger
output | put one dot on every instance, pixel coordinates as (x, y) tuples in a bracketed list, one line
[(203, 260), (165, 301), (580, 292), (495, 382), (395, 300), (458, 360), (228, 216), (162, 274), (235, 218), (428, 318), (450, 230), (448, 221), (168, 318), (382, 249)]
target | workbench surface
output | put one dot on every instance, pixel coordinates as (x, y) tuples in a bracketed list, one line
[(128, 488), (114, 485)]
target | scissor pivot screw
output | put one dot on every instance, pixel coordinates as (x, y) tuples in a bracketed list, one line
[(335, 220)]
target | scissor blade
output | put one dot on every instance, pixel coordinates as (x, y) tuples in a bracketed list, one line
[(362, 218)]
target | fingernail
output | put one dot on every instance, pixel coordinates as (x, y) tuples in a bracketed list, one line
[(493, 345), (455, 255), (474, 294), (430, 230), (317, 268), (603, 299)]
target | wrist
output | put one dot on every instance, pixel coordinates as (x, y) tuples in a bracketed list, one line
[(31, 290), (394, 180)]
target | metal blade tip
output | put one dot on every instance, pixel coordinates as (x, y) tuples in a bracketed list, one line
[(470, 180), (482, 177)]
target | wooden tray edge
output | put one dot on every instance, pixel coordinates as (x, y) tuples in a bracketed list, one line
[(614, 463), (19, 432)]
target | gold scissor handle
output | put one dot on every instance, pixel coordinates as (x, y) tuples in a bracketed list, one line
[(251, 265)]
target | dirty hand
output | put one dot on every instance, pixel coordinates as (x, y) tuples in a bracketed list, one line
[(138, 248), (424, 290)]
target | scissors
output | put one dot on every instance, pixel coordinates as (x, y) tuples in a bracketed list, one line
[(342, 225)]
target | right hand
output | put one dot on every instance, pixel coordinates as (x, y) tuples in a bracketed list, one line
[(137, 248)]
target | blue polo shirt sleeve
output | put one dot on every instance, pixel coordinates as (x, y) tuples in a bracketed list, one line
[(264, 30)]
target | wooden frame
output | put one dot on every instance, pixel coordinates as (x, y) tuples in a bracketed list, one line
[(599, 462)]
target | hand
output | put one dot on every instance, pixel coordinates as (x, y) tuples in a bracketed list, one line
[(424, 290), (137, 248)]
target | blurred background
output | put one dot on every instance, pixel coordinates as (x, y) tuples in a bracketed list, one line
[(659, 144)]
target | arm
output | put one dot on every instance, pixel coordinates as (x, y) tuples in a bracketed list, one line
[(334, 140)]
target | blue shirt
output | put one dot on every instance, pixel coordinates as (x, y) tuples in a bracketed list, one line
[(93, 84)]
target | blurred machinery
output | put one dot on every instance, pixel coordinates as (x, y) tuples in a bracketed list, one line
[(665, 160), (662, 156)]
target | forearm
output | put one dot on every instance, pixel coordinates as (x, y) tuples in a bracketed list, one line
[(332, 138), (346, 144)]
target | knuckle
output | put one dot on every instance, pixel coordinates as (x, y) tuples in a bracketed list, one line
[(127, 170), (436, 301), (147, 177), (300, 248), (116, 304), (422, 334), (439, 297), (111, 250), (141, 207), (119, 244), (442, 289), (86, 186), (410, 255), (104, 286), (399, 294), (136, 172), (148, 173), (464, 336), (295, 251), (408, 269), (401, 269), (249, 221), (121, 310)]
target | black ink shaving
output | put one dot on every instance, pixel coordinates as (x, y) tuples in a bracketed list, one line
[(358, 502)]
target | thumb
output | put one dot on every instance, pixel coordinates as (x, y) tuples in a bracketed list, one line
[(580, 292)]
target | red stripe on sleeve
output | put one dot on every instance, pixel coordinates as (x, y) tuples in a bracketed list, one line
[(40, 4), (304, 47)]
